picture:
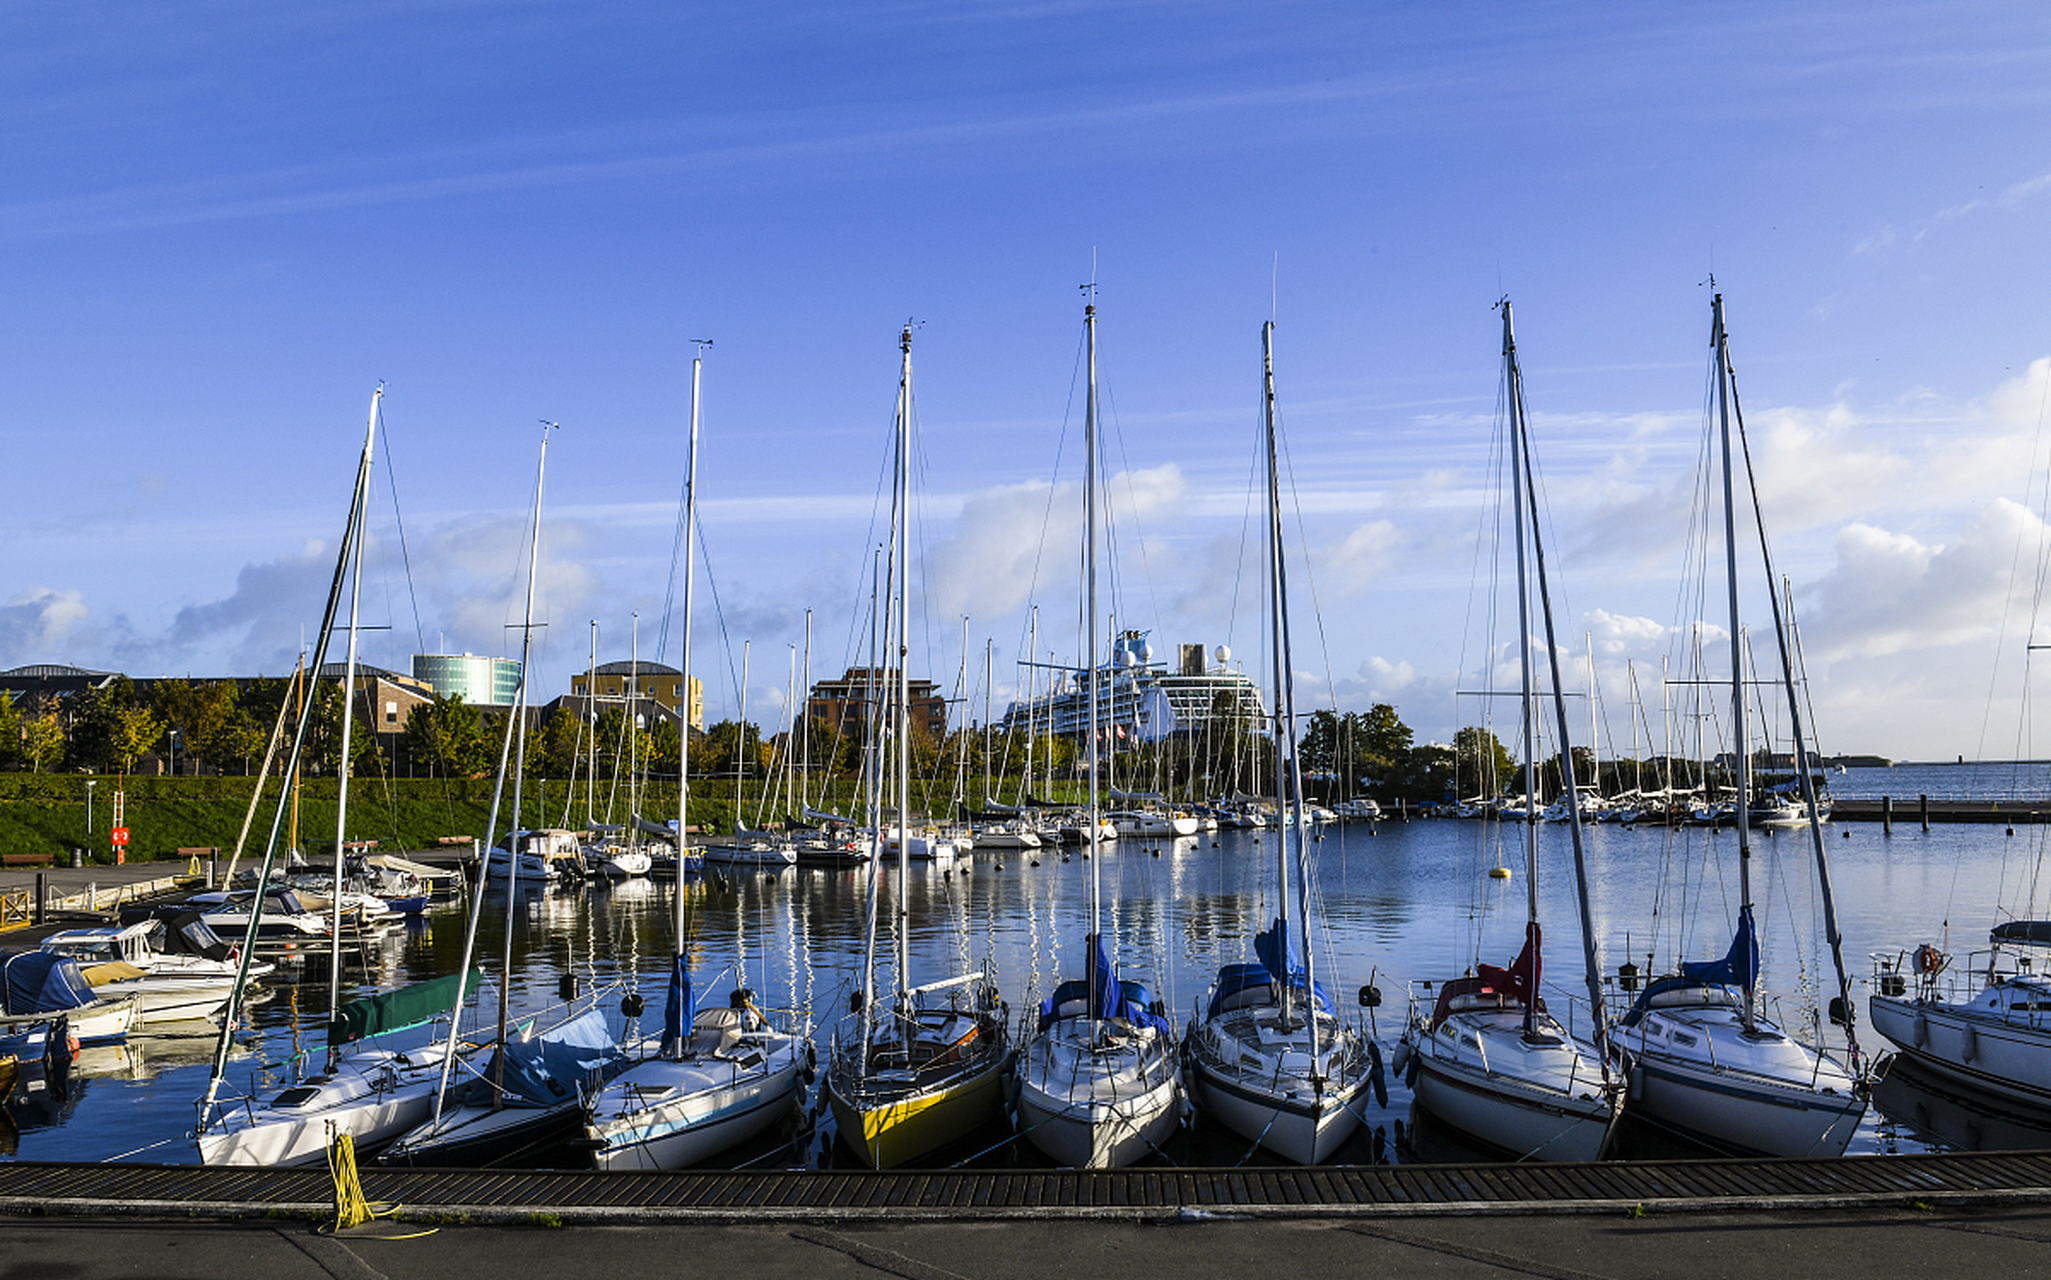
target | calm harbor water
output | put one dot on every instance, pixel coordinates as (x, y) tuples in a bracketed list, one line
[(1401, 903)]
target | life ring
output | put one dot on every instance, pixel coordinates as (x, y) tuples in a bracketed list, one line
[(1929, 960)]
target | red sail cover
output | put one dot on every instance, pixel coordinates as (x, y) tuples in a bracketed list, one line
[(1516, 985)]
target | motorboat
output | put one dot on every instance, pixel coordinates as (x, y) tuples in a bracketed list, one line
[(134, 960), (39, 987), (1985, 1022)]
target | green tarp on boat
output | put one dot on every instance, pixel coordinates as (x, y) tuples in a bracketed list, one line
[(397, 1010)]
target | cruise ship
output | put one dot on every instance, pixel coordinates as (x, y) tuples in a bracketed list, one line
[(1139, 700)]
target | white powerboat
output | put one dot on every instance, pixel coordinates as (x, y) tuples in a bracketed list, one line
[(1985, 1023)]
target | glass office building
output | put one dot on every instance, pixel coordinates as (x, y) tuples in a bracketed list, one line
[(482, 682)]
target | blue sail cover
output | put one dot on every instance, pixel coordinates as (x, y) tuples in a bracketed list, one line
[(680, 1009), (1109, 998), (1278, 952), (41, 982), (551, 1067), (1738, 968)]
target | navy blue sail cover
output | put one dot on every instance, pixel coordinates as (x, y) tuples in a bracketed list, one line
[(551, 1067), (1739, 967), (1109, 998), (41, 982), (680, 1009), (1278, 952)]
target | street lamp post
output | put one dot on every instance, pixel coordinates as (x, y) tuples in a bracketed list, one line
[(89, 785), (174, 753)]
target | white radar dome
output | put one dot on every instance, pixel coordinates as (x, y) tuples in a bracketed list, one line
[(1223, 653)]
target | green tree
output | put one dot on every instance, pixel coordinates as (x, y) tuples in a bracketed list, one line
[(1482, 765), (323, 749), (95, 723), (557, 748), (136, 730), (42, 741), (12, 740), (446, 738), (209, 718), (1319, 746), (1377, 741)]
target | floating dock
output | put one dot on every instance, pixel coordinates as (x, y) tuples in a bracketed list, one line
[(485, 1196)]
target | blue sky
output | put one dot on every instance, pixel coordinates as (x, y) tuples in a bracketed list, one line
[(225, 223)]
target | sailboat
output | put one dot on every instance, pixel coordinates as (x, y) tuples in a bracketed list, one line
[(1272, 1059), (718, 1076), (929, 1068), (1701, 1054), (531, 1095), (1490, 1059), (371, 1094), (1097, 1085)]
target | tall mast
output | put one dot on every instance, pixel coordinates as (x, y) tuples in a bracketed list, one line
[(677, 960), (741, 739), (805, 727), (1089, 490), (989, 669), (1527, 701), (231, 1016), (519, 764), (1031, 689), (1288, 769), (591, 731), (1742, 779), (872, 800), (348, 702), (902, 652), (634, 734), (514, 722), (1591, 962)]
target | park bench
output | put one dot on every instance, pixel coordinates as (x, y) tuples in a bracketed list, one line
[(27, 860)]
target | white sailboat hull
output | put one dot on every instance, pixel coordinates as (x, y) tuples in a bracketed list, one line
[(369, 1097), (1505, 1107), (1755, 1095), (671, 1114), (1253, 1072), (1097, 1108), (1295, 1124)]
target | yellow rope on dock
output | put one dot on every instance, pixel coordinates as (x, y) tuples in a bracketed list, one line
[(351, 1209)]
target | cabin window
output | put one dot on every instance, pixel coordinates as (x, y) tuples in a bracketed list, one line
[(391, 713)]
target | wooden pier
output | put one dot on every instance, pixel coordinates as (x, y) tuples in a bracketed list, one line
[(483, 1196)]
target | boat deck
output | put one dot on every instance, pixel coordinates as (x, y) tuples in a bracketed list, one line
[(1979, 1178)]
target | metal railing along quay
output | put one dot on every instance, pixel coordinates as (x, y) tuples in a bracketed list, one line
[(484, 1196)]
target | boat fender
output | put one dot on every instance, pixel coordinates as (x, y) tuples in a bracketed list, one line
[(566, 987), (1411, 1068), (632, 1005), (1377, 1079), (811, 1061), (1401, 1058), (1920, 1032), (59, 1049), (1634, 1082), (854, 1002), (1969, 1044)]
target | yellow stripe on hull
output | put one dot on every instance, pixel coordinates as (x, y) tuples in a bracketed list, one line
[(902, 1131)]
